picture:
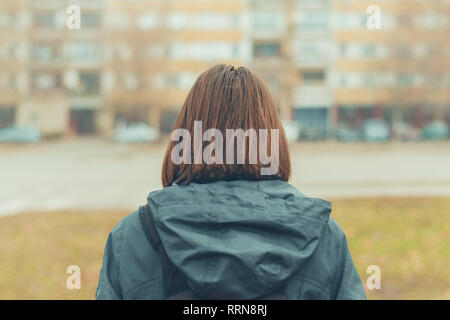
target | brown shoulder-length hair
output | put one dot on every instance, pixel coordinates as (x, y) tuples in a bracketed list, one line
[(227, 98)]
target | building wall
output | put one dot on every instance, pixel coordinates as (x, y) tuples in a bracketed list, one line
[(13, 57), (38, 55), (158, 49), (292, 50), (137, 59), (402, 66), (49, 114)]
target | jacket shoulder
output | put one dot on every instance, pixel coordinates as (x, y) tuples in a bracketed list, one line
[(139, 264), (130, 220), (347, 282), (335, 229)]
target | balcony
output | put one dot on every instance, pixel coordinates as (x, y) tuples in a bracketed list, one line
[(313, 96)]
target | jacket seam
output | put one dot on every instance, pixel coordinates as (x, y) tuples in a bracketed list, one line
[(117, 248), (313, 283), (235, 206), (338, 274), (144, 284)]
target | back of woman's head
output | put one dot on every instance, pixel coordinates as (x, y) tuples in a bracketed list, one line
[(246, 131)]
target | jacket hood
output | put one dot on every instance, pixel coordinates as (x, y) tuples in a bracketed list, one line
[(238, 239)]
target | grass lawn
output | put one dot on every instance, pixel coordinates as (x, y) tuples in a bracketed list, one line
[(407, 238)]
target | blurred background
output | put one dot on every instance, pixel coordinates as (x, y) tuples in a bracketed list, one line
[(85, 115)]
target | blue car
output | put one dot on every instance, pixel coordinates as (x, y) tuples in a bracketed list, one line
[(20, 134), (436, 131)]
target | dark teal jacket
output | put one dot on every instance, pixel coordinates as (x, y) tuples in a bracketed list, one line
[(240, 239)]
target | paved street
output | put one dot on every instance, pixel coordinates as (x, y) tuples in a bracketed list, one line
[(93, 173)]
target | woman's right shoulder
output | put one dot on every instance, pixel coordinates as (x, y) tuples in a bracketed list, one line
[(130, 221)]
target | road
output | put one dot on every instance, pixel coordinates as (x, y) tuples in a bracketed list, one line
[(93, 173)]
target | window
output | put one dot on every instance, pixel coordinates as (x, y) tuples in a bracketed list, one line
[(130, 81), (401, 51), (120, 21), (235, 50), (44, 20), (46, 81), (310, 50), (44, 52), (213, 21), (7, 116), (342, 80), (405, 79), (313, 20), (90, 20), (13, 81), (147, 21), (352, 79), (4, 80), (83, 51), (267, 21), (4, 20), (306, 2), (312, 76), (265, 50), (210, 51), (369, 50), (185, 80), (155, 50), (369, 79), (176, 51), (177, 21), (13, 50), (427, 21), (206, 51), (124, 51), (16, 20), (235, 20), (89, 82), (349, 21)]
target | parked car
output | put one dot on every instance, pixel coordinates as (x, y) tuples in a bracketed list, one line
[(436, 130), (312, 133), (20, 134), (375, 130), (346, 134), (139, 132), (406, 132)]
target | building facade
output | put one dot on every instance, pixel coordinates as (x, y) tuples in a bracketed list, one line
[(135, 61), (52, 73), (397, 74), (156, 50)]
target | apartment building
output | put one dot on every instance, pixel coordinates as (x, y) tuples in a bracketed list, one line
[(13, 59), (131, 60), (313, 50), (292, 44), (399, 73), (156, 50), (135, 60), (52, 74)]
